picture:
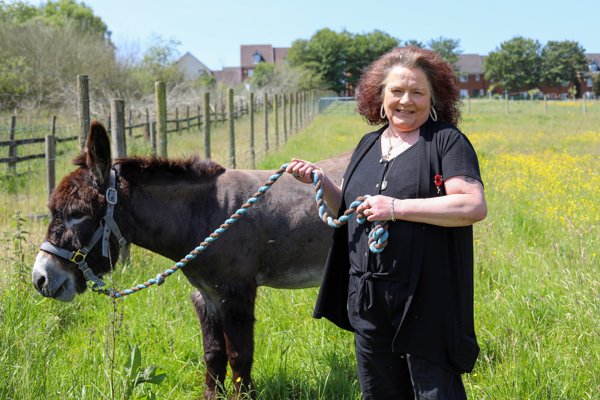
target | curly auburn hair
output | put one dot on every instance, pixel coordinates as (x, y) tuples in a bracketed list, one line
[(443, 83)]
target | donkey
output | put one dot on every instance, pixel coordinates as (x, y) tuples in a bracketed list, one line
[(168, 207)]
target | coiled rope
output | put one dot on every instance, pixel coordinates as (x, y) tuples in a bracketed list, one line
[(377, 237)]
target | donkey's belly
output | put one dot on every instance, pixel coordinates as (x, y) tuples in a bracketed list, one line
[(302, 276)]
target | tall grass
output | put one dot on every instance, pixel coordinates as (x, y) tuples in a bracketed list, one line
[(537, 307)]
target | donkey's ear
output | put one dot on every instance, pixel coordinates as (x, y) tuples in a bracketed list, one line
[(98, 158)]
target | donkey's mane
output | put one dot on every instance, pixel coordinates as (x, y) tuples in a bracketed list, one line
[(146, 169)]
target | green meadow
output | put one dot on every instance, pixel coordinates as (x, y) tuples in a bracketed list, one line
[(537, 281)]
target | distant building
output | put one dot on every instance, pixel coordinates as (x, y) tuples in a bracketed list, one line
[(473, 82), (191, 67), (252, 54), (232, 76)]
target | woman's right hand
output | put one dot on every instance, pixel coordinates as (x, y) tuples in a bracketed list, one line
[(302, 170)]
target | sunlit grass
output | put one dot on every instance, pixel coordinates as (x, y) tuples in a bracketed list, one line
[(537, 291)]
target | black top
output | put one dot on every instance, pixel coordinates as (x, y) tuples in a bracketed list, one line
[(393, 264), (438, 318)]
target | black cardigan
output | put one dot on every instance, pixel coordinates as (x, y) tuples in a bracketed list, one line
[(438, 318)]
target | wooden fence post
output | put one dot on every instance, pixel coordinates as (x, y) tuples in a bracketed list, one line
[(206, 117), (161, 117), (177, 119), (130, 123), (296, 109), (291, 111), (83, 108), (118, 146), (51, 159), (231, 129), (12, 147), (283, 100), (506, 97), (199, 117), (275, 111), (266, 103), (118, 142), (251, 112), (148, 132), (153, 138)]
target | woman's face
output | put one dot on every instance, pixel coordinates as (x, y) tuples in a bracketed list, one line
[(406, 98)]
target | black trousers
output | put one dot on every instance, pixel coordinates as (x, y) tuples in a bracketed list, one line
[(375, 308)]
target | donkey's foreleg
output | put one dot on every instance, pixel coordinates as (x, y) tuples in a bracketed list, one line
[(213, 342), (237, 312)]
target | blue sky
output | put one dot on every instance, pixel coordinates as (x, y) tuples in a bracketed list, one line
[(214, 30)]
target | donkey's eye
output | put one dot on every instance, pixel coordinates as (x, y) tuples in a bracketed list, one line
[(77, 215)]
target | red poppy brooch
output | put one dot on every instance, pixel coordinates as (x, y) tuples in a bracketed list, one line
[(438, 182)]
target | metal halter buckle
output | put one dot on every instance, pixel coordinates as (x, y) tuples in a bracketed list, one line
[(78, 253), (111, 196)]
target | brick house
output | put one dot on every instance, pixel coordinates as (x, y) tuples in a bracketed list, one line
[(252, 54), (473, 82)]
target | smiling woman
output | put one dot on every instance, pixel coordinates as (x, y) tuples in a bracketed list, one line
[(423, 179)]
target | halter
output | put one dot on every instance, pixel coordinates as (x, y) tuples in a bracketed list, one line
[(78, 256)]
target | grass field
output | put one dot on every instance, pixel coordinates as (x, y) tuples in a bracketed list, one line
[(537, 285)]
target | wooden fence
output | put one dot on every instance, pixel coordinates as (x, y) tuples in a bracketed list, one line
[(296, 110)]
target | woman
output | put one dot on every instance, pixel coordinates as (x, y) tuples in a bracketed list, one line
[(411, 306)]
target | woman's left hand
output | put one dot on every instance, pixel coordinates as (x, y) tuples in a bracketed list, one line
[(377, 208)]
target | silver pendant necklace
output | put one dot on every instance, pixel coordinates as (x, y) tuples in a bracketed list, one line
[(389, 167), (384, 183)]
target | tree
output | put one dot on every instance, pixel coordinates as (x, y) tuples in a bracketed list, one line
[(416, 43), (561, 62), (324, 55), (515, 65), (449, 49), (158, 62), (596, 87), (364, 49), (338, 59)]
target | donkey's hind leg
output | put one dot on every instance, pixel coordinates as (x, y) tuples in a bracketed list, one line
[(213, 342), (237, 309)]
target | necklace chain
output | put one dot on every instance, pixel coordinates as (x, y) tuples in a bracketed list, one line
[(391, 148)]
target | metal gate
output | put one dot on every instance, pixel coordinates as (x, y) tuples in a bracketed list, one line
[(337, 105)]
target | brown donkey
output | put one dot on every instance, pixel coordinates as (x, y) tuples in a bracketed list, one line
[(169, 207)]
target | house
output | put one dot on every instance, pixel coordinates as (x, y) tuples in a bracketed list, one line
[(232, 76), (191, 67), (473, 82), (253, 54)]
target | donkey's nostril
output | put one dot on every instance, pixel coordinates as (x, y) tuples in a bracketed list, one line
[(39, 283)]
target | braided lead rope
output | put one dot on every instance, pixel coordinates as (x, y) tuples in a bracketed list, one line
[(377, 237), (160, 278), (379, 233)]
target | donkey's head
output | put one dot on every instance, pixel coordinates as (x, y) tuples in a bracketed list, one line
[(77, 207)]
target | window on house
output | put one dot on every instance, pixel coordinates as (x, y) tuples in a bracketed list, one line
[(564, 96), (475, 92), (590, 82), (464, 78), (492, 80), (594, 66), (565, 83), (481, 92), (477, 77), (257, 57), (250, 73), (464, 92)]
